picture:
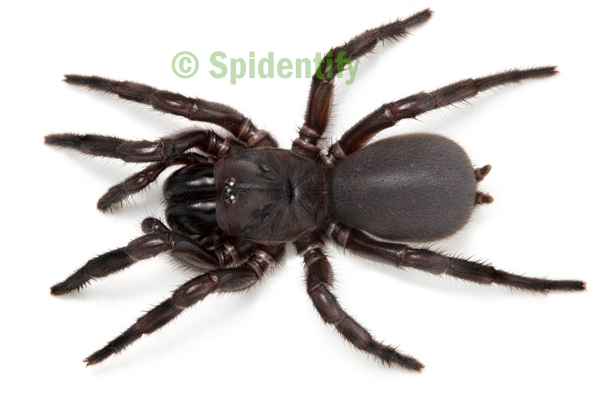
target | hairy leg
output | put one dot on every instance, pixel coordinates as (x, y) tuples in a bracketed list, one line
[(321, 90), (219, 280), (410, 107), (137, 182), (401, 255), (318, 285), (174, 103), (153, 225), (150, 245), (165, 152), (161, 150)]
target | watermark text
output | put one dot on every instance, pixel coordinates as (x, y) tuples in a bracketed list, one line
[(185, 65)]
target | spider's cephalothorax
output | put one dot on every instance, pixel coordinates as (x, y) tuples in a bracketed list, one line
[(261, 188), (237, 200)]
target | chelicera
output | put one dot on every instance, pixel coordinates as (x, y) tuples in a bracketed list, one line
[(237, 200)]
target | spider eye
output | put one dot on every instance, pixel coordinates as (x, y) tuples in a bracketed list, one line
[(228, 190)]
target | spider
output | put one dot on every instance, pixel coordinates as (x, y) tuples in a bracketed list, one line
[(235, 201)]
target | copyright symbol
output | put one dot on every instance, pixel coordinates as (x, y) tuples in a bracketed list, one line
[(185, 64)]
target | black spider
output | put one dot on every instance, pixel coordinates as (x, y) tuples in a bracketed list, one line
[(236, 201)]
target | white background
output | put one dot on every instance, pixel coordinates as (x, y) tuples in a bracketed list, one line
[(476, 342)]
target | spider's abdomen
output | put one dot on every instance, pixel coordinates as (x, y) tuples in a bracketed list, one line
[(415, 187)]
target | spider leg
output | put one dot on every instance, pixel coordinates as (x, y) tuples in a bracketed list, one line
[(318, 284), (174, 103), (137, 182), (153, 225), (410, 107), (165, 152), (401, 255), (161, 150), (219, 280), (321, 90), (150, 245), (227, 249)]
